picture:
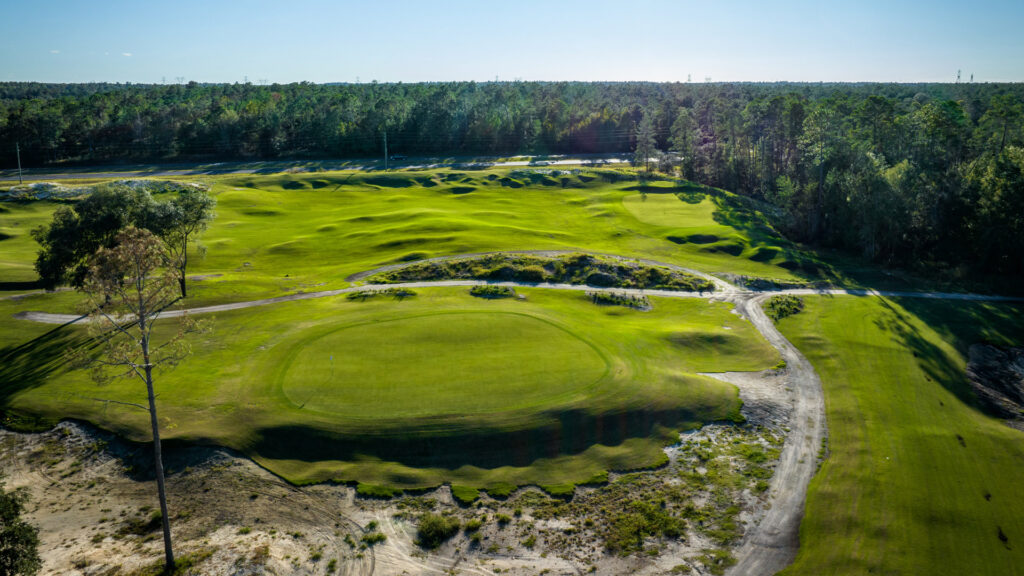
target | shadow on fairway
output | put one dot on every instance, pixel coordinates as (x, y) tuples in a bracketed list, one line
[(30, 364), (452, 446), (963, 324)]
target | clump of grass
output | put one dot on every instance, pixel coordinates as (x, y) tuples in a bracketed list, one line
[(559, 490), (492, 292), (779, 307), (373, 538), (435, 529), (619, 299), (464, 495), (642, 519), (396, 293), (500, 489), (375, 491)]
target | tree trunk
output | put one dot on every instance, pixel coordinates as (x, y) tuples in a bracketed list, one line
[(158, 462), (184, 265)]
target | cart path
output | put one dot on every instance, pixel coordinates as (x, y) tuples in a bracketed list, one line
[(772, 544), (719, 295)]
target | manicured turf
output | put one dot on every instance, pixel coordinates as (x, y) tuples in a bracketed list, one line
[(464, 362), (286, 233), (917, 480), (442, 386), (17, 248)]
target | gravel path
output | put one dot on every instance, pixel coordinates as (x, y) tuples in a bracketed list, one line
[(772, 545)]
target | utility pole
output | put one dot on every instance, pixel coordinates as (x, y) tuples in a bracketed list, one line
[(17, 149), (385, 150)]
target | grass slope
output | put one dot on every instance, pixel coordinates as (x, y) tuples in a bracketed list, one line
[(917, 480), (437, 387), (284, 233)]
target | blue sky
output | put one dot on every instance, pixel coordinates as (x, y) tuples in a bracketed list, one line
[(398, 40)]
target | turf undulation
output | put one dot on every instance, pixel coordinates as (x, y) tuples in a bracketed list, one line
[(439, 387)]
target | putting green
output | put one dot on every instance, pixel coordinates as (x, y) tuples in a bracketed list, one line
[(438, 364)]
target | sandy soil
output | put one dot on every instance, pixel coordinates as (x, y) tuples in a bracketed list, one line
[(93, 499)]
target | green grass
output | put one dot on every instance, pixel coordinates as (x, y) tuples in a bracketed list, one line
[(287, 233), (385, 367), (441, 387), (900, 493), (17, 248)]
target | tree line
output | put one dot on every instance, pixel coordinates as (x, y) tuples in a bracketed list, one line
[(902, 173)]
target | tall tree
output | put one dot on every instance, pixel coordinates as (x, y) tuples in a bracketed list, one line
[(76, 232), (185, 216), (683, 136), (128, 286), (646, 145)]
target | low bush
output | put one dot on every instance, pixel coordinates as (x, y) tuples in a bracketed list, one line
[(783, 305), (619, 299), (396, 293), (435, 529), (491, 292), (570, 269)]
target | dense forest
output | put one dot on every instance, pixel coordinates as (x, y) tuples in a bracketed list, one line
[(902, 173)]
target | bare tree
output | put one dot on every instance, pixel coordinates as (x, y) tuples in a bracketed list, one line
[(128, 286)]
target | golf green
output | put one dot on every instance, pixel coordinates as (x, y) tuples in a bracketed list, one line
[(458, 362)]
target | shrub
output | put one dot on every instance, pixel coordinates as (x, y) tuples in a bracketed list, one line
[(434, 530), (396, 293), (373, 538), (619, 299), (571, 268), (783, 305), (628, 530), (533, 273), (491, 292)]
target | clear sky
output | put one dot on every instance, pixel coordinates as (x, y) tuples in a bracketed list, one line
[(154, 41)]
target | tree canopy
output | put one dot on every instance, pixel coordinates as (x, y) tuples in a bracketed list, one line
[(902, 173), (79, 230), (19, 540)]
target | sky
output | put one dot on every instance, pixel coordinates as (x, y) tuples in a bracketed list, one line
[(155, 41)]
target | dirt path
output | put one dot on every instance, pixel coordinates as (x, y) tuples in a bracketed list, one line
[(772, 545)]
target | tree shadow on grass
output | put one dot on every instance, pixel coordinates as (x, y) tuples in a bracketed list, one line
[(962, 324), (31, 364)]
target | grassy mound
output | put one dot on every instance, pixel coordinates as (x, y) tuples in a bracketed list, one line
[(281, 233), (570, 269)]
